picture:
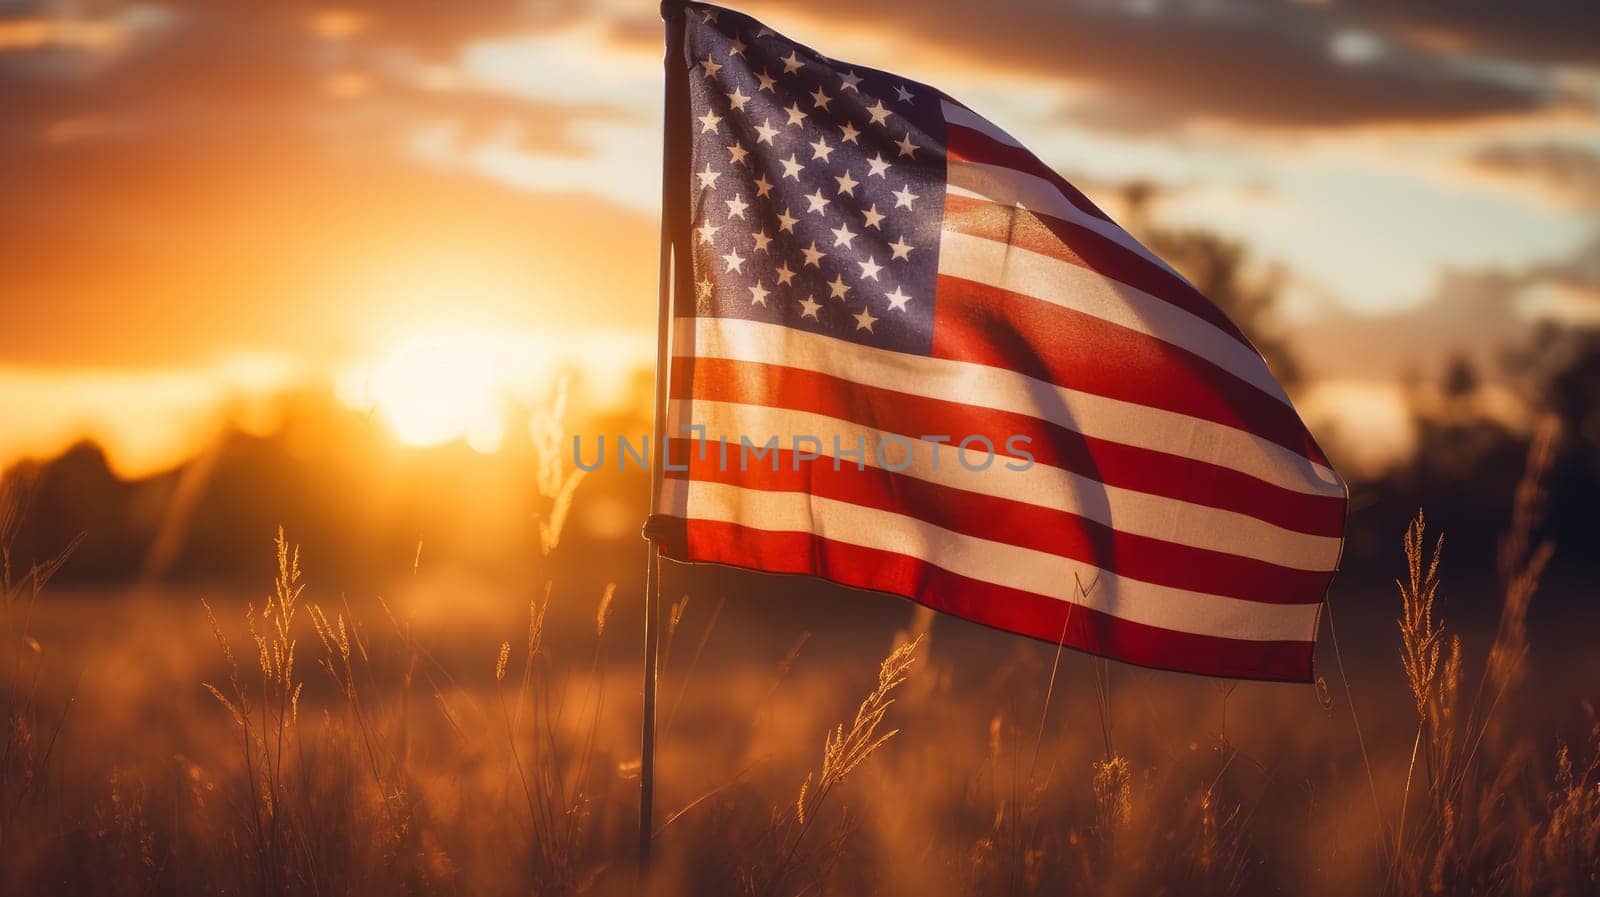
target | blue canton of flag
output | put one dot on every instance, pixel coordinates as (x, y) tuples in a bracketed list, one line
[(818, 187)]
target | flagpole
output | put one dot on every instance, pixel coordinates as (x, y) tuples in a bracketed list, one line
[(674, 158), (647, 749)]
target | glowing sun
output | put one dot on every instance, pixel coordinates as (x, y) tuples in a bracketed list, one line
[(437, 389)]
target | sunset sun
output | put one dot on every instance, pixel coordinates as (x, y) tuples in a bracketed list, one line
[(437, 389)]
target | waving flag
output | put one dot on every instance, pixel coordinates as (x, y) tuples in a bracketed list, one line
[(878, 291)]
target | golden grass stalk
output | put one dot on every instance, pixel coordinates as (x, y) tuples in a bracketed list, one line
[(1433, 684), (556, 780), (1461, 841), (267, 723), (1112, 784), (1420, 627), (1561, 854), (843, 752), (555, 484)]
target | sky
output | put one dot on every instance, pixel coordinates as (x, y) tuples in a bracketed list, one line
[(201, 203)]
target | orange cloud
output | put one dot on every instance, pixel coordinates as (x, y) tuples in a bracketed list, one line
[(38, 33)]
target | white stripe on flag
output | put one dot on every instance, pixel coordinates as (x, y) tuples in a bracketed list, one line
[(1082, 290), (993, 562), (1125, 510), (1095, 416)]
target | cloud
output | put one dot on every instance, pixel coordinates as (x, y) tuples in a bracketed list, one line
[(580, 66), (1183, 61), (1570, 304), (581, 112), (1479, 314), (246, 178), (606, 164), (1363, 367), (38, 32), (436, 32), (1566, 174), (1566, 291), (1535, 30), (44, 40), (260, 101)]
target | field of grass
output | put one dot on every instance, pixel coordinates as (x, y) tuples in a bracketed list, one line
[(467, 737)]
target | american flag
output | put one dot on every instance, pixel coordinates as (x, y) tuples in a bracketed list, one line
[(876, 275)]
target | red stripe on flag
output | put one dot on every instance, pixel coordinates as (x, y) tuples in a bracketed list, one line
[(1112, 463), (988, 325), (1014, 523), (1011, 610)]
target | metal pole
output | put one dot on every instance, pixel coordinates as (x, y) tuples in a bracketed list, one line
[(652, 570), (673, 160), (652, 577), (647, 760)]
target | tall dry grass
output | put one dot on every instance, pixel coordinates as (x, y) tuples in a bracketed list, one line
[(306, 831), (343, 748), (32, 726), (1471, 818), (843, 752)]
